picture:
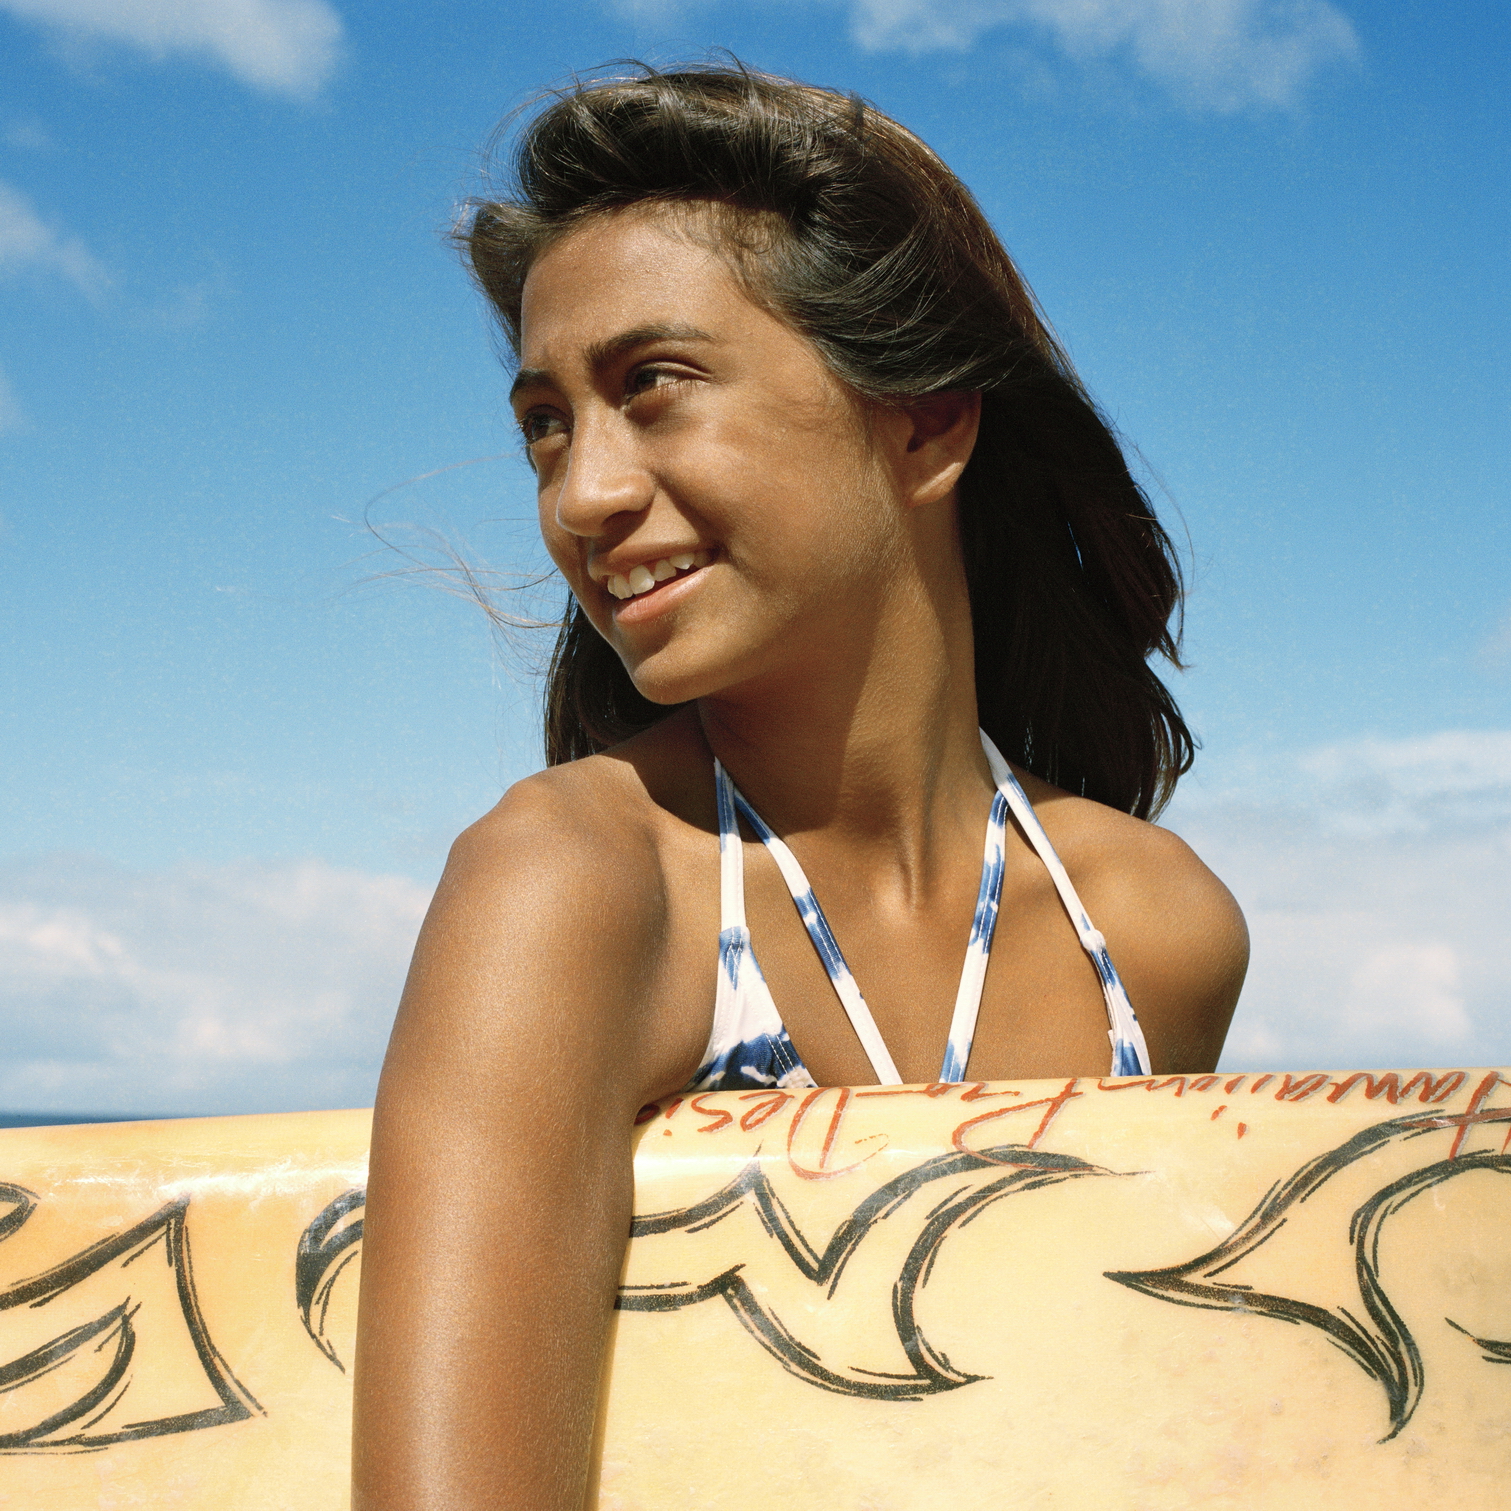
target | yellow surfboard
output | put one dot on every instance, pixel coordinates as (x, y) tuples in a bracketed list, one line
[(1239, 1291)]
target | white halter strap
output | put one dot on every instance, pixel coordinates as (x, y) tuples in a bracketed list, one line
[(1130, 1057)]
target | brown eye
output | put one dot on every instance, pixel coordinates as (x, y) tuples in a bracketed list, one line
[(538, 426), (643, 379)]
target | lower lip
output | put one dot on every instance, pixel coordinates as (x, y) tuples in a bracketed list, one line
[(647, 606)]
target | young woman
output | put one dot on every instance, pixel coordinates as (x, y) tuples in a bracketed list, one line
[(854, 562)]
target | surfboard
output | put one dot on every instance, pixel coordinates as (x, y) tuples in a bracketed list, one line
[(1239, 1291)]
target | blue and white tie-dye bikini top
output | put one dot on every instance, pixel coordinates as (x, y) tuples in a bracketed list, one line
[(749, 1046)]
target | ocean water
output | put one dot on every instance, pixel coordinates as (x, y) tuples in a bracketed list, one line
[(57, 1119)]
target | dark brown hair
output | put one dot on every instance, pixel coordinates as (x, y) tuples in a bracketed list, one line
[(853, 231)]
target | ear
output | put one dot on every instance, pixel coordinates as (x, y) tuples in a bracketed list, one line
[(939, 443)]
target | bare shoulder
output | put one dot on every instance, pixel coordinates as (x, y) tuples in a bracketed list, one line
[(562, 830), (607, 814), (1122, 858), (537, 958), (1175, 931), (594, 834)]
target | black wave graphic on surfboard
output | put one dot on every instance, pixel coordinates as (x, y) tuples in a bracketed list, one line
[(1366, 1324), (110, 1345), (330, 1243), (985, 1177)]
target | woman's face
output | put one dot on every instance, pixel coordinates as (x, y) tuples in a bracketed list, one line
[(721, 505)]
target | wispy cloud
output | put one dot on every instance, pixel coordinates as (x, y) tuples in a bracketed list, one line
[(1221, 55), (1376, 876), (29, 244), (30, 136), (1495, 652), (12, 417), (183, 308), (285, 46), (203, 989)]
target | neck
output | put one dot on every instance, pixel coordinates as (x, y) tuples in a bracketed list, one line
[(871, 742)]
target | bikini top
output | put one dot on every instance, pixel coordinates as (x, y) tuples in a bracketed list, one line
[(749, 1046)]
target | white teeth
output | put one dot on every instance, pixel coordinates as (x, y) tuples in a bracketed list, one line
[(643, 578)]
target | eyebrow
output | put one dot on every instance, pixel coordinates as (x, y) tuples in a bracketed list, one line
[(601, 353)]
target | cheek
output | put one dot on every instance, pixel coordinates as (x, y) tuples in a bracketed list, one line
[(815, 529), (782, 496), (565, 552), (561, 545)]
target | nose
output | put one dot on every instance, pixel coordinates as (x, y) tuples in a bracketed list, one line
[(604, 477)]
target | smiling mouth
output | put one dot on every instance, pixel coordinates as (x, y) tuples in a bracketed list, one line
[(649, 576)]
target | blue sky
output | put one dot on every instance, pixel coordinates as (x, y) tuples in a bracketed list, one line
[(1273, 235)]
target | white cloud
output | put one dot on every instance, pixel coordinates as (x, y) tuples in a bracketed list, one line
[(272, 987), (1376, 877), (287, 46), (1408, 989), (1374, 786), (1216, 54), (203, 989), (28, 243)]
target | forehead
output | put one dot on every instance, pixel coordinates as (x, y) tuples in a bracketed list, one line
[(633, 268)]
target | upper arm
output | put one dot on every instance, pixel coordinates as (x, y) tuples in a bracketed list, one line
[(500, 1187), (528, 989), (531, 955), (1182, 950)]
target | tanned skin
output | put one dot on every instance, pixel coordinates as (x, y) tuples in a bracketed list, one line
[(565, 973)]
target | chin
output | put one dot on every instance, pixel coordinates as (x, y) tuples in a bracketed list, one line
[(669, 678), (669, 691)]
